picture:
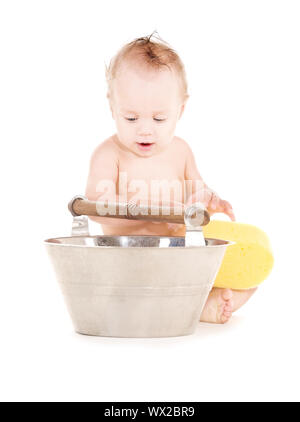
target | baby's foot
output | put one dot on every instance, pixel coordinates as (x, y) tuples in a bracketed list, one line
[(218, 307)]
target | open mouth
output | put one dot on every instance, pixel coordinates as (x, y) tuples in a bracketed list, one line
[(145, 145)]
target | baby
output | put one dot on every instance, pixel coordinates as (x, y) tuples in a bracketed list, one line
[(147, 93)]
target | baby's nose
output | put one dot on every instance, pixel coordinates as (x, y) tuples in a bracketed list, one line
[(145, 128), (145, 132)]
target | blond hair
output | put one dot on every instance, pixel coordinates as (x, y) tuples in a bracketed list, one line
[(155, 55)]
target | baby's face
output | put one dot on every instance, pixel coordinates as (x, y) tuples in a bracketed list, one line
[(146, 106)]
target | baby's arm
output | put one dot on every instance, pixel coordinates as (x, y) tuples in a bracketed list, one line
[(103, 166), (194, 182), (198, 191)]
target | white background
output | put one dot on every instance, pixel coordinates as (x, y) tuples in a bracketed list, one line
[(242, 122)]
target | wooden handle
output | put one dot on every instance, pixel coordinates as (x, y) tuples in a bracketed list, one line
[(131, 211)]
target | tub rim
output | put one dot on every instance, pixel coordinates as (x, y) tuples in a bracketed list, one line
[(49, 242)]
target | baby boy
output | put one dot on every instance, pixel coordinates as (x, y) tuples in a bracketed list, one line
[(147, 93)]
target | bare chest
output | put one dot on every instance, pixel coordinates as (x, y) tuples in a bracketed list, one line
[(153, 177)]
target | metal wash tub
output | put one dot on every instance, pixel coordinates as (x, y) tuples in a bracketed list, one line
[(134, 286)]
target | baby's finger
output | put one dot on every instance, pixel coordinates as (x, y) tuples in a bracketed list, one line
[(231, 215), (214, 202), (227, 209)]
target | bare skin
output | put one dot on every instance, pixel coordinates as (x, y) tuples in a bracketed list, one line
[(146, 107), (221, 303)]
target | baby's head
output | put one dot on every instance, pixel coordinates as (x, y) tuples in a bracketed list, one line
[(147, 92)]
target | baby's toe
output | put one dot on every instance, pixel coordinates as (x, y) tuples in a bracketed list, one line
[(224, 318), (229, 304), (227, 310), (227, 294)]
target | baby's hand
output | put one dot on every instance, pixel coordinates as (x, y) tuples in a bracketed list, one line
[(212, 202)]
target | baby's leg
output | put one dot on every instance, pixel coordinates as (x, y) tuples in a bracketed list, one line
[(222, 302)]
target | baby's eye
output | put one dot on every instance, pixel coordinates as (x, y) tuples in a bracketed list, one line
[(132, 119)]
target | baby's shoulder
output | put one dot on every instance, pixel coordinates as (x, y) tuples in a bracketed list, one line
[(106, 148), (182, 147)]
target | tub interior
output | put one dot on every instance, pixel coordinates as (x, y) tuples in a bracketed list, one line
[(130, 241)]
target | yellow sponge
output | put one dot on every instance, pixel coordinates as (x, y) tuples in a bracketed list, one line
[(246, 263)]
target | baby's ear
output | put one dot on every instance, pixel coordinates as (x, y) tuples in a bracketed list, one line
[(181, 111), (183, 106), (110, 105)]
